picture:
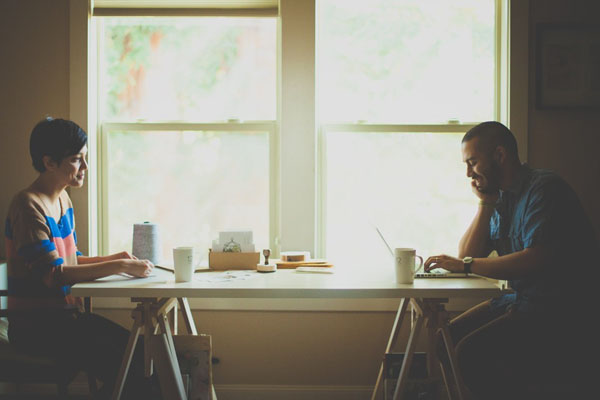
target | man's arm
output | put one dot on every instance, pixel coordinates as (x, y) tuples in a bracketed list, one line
[(475, 242), (517, 265)]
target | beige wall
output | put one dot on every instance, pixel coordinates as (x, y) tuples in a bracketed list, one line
[(34, 82), (562, 140), (265, 347), (292, 348)]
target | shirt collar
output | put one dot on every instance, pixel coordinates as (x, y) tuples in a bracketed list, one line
[(521, 178)]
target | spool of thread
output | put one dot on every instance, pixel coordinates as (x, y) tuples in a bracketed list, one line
[(146, 242)]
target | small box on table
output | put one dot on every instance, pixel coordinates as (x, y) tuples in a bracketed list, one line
[(232, 260)]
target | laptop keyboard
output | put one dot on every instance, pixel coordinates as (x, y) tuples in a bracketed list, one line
[(441, 275)]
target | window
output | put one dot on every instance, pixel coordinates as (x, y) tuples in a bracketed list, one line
[(187, 120), (399, 83), (313, 124)]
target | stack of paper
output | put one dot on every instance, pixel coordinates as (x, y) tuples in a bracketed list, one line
[(234, 242)]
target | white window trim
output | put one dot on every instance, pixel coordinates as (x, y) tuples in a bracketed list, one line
[(297, 141)]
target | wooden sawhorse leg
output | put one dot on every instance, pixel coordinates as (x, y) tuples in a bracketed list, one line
[(458, 382), (430, 313), (190, 325), (410, 350), (149, 314), (138, 323), (391, 342), (159, 350)]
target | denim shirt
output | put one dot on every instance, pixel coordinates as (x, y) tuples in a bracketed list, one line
[(541, 209)]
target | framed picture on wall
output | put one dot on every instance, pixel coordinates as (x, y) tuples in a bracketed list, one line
[(567, 66)]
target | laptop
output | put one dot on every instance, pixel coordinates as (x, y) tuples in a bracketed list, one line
[(436, 273)]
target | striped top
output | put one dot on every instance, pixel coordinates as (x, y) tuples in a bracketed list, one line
[(37, 247)]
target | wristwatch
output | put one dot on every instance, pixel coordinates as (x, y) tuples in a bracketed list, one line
[(467, 261)]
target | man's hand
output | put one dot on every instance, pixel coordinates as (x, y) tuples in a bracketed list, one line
[(488, 198), (451, 264)]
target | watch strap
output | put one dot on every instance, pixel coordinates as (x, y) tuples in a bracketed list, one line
[(467, 261)]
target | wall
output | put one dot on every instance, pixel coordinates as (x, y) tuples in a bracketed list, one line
[(290, 349), (34, 82), (336, 349), (566, 140)]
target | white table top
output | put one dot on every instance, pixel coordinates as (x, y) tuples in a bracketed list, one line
[(285, 284)]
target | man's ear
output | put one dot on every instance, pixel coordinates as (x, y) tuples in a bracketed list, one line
[(49, 163), (500, 155)]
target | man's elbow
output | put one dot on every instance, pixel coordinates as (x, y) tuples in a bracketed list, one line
[(537, 258)]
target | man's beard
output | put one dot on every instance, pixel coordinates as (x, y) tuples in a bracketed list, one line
[(493, 177)]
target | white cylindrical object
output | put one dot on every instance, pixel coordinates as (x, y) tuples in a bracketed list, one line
[(183, 263), (266, 267), (404, 264), (146, 242)]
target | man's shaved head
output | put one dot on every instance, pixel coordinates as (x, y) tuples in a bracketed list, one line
[(492, 134)]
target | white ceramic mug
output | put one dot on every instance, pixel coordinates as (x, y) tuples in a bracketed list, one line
[(183, 262), (404, 264)]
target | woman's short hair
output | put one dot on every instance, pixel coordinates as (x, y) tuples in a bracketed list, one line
[(56, 138)]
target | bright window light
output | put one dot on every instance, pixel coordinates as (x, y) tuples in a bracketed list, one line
[(389, 69), (412, 186), (408, 61), (179, 101), (193, 184), (194, 69)]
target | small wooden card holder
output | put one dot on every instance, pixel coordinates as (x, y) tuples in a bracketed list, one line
[(232, 260)]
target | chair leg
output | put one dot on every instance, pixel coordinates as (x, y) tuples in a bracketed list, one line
[(92, 385), (63, 390)]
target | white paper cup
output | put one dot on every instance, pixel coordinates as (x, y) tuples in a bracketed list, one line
[(404, 264), (183, 262)]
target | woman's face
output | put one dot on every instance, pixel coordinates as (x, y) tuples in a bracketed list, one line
[(72, 168)]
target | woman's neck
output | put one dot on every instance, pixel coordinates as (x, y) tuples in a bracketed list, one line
[(46, 185)]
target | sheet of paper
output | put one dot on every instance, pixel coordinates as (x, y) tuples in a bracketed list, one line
[(123, 277), (227, 276)]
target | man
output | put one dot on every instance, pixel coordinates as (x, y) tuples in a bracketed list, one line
[(547, 250)]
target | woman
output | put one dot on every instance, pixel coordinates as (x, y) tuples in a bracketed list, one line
[(43, 263)]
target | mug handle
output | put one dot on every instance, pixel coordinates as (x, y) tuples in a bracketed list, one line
[(420, 265)]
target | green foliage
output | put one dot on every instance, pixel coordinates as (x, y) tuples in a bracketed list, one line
[(202, 52), (126, 51)]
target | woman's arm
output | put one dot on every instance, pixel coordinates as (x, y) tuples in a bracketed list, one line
[(117, 256), (88, 272)]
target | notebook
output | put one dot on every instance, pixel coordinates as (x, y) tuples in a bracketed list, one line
[(436, 273)]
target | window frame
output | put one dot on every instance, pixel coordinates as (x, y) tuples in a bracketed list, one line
[(501, 113), (294, 35)]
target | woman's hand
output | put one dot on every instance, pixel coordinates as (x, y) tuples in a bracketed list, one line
[(451, 264), (137, 268)]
